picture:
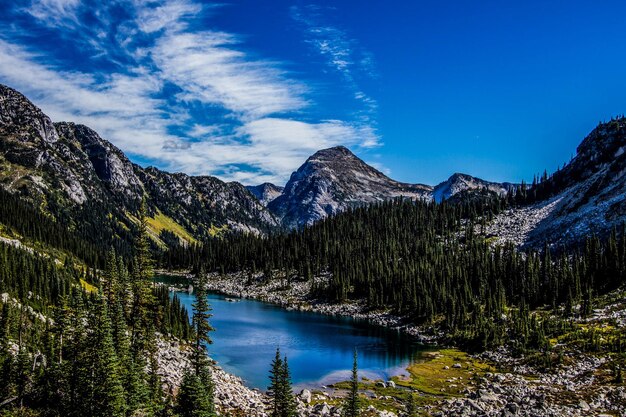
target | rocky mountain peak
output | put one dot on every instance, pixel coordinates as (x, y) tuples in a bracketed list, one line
[(108, 162), (266, 192), (459, 182), (41, 158), (339, 159), (332, 180), (332, 154), (603, 145), (21, 120)]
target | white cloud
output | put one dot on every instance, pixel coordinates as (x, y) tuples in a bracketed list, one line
[(170, 15), (341, 53), (207, 68), (55, 12), (120, 108), (257, 102)]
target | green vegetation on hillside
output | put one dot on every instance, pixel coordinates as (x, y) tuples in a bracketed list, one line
[(425, 261)]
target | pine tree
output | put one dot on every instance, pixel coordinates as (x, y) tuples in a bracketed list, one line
[(353, 403), (108, 396), (283, 400), (142, 325), (288, 405), (201, 325), (275, 390), (192, 400), (145, 313), (196, 393), (411, 407)]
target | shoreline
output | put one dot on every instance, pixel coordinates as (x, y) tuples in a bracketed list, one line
[(576, 388), (295, 297)]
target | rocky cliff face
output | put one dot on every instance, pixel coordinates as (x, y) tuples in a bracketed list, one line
[(266, 192), (333, 180), (66, 167), (592, 197)]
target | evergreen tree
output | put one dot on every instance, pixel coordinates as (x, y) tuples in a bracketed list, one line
[(107, 393), (353, 403), (192, 400), (411, 407), (276, 388), (283, 400), (289, 402), (201, 325), (196, 393)]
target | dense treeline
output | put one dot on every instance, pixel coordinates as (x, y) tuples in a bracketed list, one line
[(427, 261), (68, 351), (89, 239)]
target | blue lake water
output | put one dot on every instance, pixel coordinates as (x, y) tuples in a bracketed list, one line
[(319, 347)]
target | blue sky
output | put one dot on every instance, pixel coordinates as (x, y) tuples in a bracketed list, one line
[(246, 90)]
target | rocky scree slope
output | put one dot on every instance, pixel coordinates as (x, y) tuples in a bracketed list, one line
[(588, 195), (71, 173)]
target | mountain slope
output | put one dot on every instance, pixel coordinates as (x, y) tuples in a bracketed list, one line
[(265, 192), (333, 180), (458, 183), (81, 180), (586, 197)]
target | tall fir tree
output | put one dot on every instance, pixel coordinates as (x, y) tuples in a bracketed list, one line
[(275, 390), (195, 398), (283, 401), (289, 402), (352, 404), (107, 397), (145, 314)]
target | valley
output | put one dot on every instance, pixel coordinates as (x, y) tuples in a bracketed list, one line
[(468, 297)]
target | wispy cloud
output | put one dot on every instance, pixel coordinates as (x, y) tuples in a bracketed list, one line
[(174, 93), (340, 52), (208, 68), (55, 12), (120, 107)]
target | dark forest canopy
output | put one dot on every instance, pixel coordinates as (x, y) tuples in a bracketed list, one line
[(425, 260)]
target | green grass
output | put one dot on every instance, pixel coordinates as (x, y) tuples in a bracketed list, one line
[(162, 222), (218, 231), (426, 378), (435, 374)]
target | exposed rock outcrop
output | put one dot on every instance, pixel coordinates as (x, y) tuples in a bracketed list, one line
[(266, 192), (333, 180)]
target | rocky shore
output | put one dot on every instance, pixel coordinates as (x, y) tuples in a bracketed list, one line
[(576, 388), (295, 296), (569, 391)]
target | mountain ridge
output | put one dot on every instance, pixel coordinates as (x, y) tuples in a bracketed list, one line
[(63, 168)]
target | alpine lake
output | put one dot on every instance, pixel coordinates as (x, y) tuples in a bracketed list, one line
[(319, 347)]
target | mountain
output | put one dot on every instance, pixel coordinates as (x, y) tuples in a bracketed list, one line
[(77, 179), (266, 192), (333, 180), (586, 197), (83, 181), (458, 183)]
